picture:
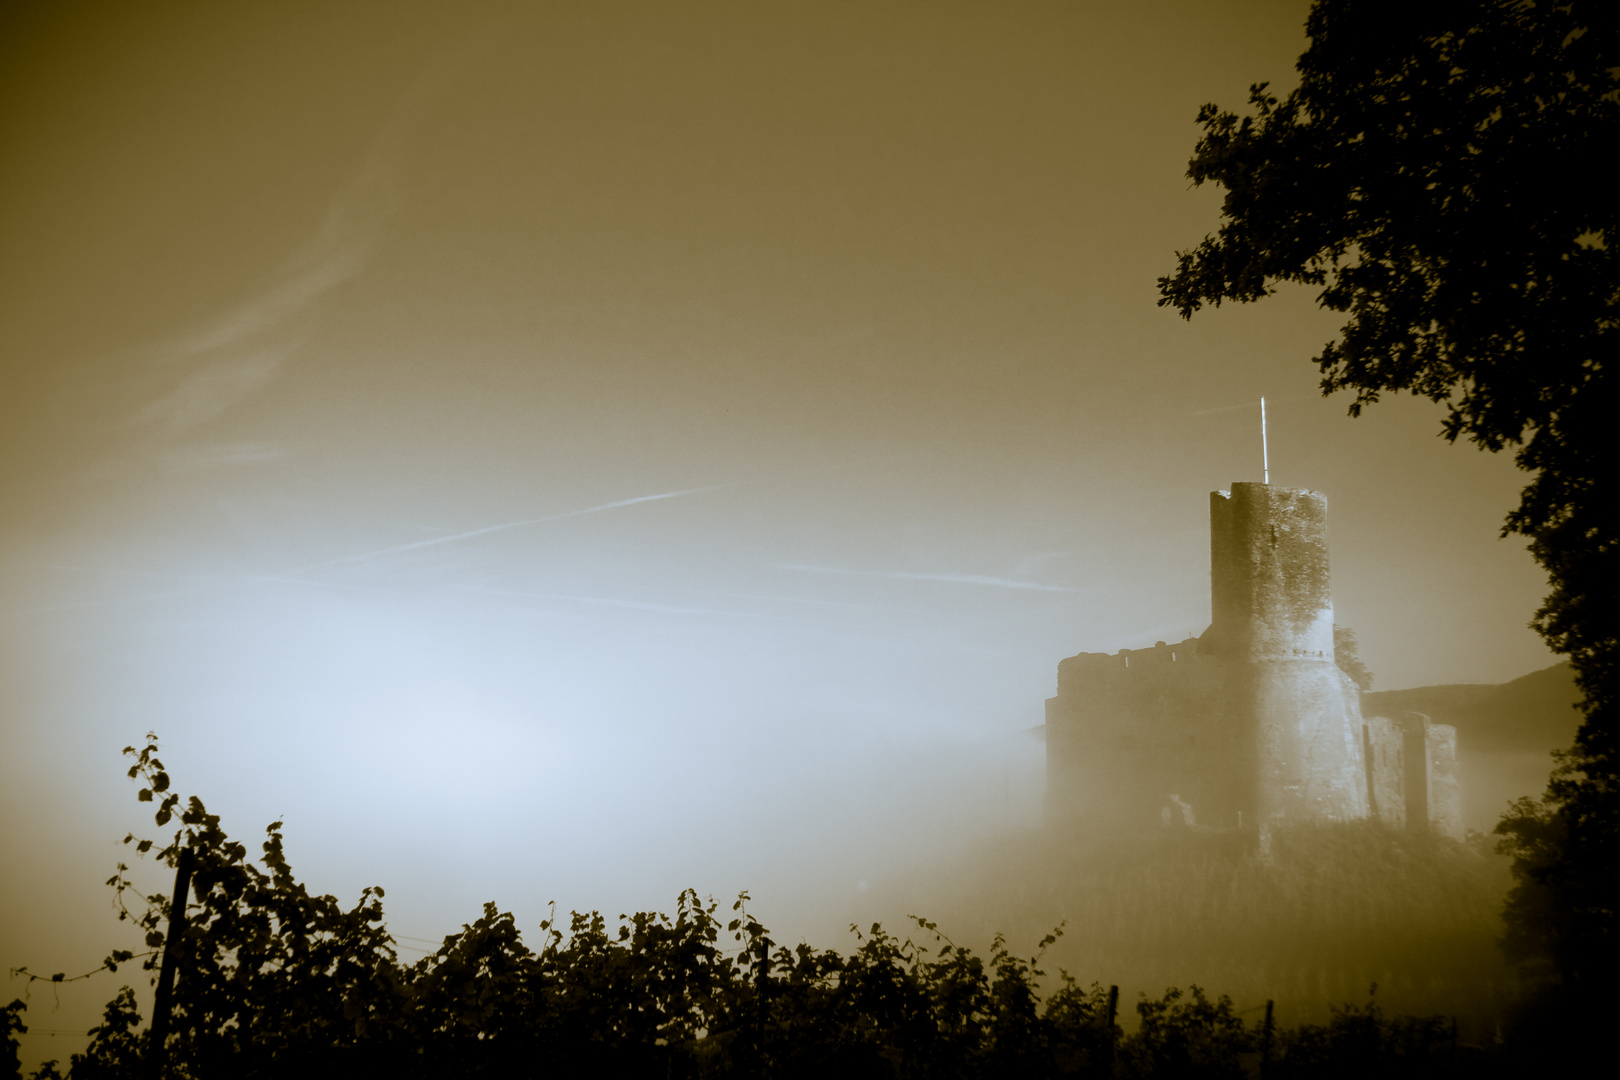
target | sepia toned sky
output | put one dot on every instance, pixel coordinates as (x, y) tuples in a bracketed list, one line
[(578, 450)]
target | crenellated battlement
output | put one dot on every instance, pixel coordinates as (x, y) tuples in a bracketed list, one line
[(1100, 665)]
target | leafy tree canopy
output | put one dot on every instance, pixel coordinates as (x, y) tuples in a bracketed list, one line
[(1442, 174)]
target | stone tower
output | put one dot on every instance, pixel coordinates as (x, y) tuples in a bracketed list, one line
[(1272, 630)]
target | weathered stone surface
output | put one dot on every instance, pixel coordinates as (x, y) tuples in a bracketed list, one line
[(1414, 729), (1252, 724), (1271, 594), (1272, 621), (1386, 782), (1127, 730), (1445, 791)]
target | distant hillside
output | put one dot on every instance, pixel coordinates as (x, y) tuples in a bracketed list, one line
[(1535, 713)]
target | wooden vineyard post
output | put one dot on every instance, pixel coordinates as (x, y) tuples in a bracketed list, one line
[(1108, 1021), (1265, 1042), (171, 950), (761, 1006)]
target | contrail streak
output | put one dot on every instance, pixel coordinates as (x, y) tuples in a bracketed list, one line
[(1225, 408), (635, 605), (821, 603), (955, 579), (295, 576), (1255, 404), (486, 530)]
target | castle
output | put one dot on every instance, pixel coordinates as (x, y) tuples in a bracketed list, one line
[(1252, 724)]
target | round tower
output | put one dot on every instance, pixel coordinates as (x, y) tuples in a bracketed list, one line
[(1272, 626)]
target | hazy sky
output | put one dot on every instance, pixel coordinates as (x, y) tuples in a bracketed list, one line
[(577, 450)]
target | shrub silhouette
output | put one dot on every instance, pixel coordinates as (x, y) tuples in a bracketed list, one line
[(1187, 1035), (276, 982)]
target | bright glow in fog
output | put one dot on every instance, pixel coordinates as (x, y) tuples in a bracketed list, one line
[(595, 753)]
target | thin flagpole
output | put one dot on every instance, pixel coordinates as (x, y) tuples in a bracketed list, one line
[(1265, 457)]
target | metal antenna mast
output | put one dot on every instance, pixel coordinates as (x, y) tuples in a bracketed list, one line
[(1265, 457)]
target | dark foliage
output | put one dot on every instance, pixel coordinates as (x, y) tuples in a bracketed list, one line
[(1443, 175), (1361, 1041), (1188, 1036), (1347, 654), (275, 982), (11, 1025)]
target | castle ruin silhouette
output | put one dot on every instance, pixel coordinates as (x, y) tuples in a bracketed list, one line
[(1251, 725)]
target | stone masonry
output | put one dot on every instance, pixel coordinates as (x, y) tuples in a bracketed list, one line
[(1251, 724)]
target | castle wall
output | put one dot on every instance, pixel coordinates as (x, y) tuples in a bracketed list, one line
[(1308, 754), (1129, 730), (1386, 771), (1413, 770), (1445, 787), (1413, 730), (1253, 723)]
